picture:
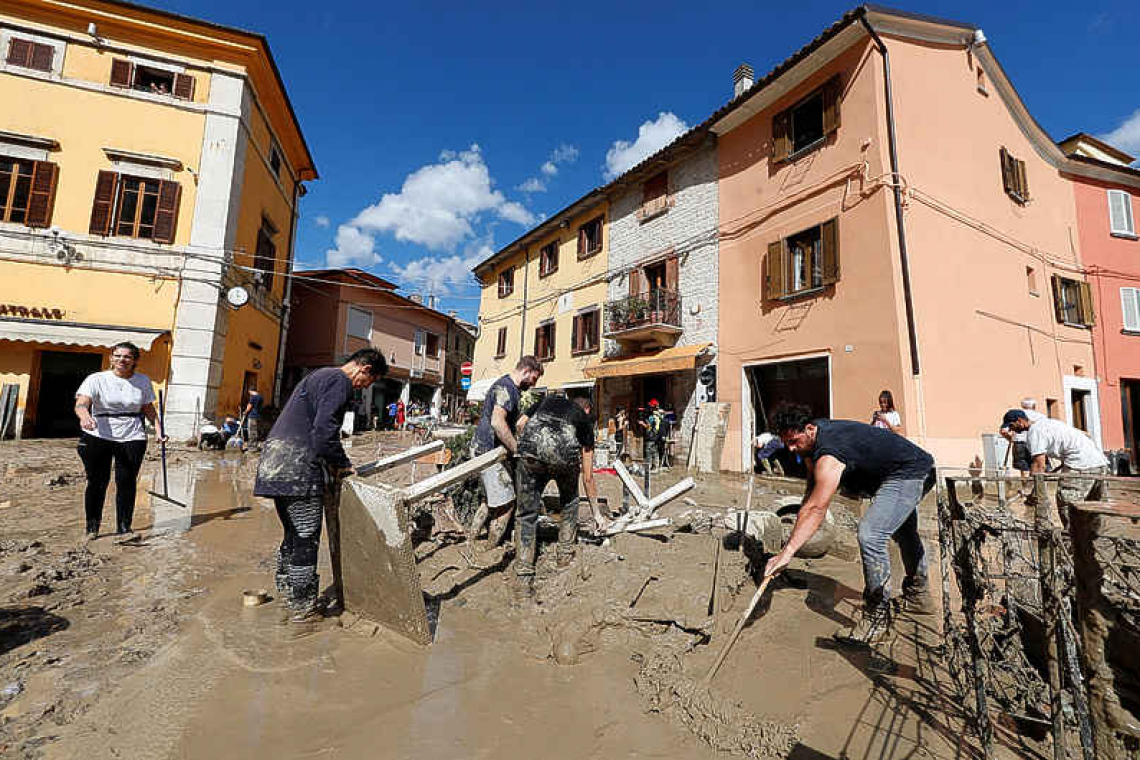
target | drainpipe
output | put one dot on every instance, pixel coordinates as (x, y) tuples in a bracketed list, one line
[(904, 261), (287, 301), (522, 336)]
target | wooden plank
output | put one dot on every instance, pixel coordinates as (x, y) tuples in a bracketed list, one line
[(630, 484), (670, 493), (633, 527), (387, 463), (448, 478)]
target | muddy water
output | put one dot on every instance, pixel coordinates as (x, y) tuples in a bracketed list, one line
[(235, 683)]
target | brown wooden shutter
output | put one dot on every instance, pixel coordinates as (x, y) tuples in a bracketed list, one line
[(552, 345), (671, 283), (1058, 301), (1022, 182), (634, 282), (831, 93), (774, 270), (595, 328), (782, 135), (19, 52), (1088, 315), (538, 342), (582, 241), (42, 199), (576, 333), (184, 86), (122, 72), (829, 243), (1006, 174), (166, 216), (103, 204), (42, 56)]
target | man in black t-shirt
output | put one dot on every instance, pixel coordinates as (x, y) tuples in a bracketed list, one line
[(873, 462), (556, 443), (497, 428)]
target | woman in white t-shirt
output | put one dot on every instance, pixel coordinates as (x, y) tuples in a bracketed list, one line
[(111, 406), (886, 416)]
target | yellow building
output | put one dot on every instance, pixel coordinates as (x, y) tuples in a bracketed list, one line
[(149, 163), (543, 295)]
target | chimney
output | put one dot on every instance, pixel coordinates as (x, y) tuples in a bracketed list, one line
[(742, 79), (453, 313), (416, 297), (431, 301)]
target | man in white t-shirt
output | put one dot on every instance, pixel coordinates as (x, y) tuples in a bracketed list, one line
[(1074, 450), (1021, 458)]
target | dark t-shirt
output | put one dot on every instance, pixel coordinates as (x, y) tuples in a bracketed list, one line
[(872, 455), (255, 404), (556, 433), (503, 393), (306, 433)]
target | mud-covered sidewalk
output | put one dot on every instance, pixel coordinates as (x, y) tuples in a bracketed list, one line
[(144, 649)]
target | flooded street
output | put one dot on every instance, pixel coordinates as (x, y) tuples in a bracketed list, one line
[(146, 650)]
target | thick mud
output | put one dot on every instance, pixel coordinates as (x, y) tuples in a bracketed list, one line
[(143, 648)]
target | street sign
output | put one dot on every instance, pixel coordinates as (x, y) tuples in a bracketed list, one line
[(465, 368), (465, 382)]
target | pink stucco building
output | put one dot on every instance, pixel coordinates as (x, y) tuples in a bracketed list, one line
[(1110, 249), (892, 217)]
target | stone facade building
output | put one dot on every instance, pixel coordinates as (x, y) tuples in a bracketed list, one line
[(661, 318)]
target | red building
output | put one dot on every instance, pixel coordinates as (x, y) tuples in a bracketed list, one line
[(1110, 255)]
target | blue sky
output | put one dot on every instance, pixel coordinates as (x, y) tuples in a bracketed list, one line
[(443, 131)]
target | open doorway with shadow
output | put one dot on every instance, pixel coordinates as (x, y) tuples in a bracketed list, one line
[(61, 373)]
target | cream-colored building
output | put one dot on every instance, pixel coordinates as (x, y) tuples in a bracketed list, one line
[(148, 163), (543, 295)]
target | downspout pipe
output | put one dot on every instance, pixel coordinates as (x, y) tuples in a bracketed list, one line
[(904, 260), (287, 300)]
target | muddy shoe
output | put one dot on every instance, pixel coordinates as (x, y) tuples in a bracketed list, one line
[(872, 628), (90, 535), (522, 591), (565, 557), (917, 599)]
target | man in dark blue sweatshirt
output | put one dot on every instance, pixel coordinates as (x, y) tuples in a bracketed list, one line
[(300, 462)]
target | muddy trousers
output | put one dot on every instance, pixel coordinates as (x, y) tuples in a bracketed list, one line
[(533, 477), (893, 514), (297, 556), (97, 455)]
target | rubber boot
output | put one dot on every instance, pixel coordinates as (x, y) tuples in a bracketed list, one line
[(284, 592), (498, 527), (872, 627), (522, 591), (916, 597), (303, 603), (477, 523)]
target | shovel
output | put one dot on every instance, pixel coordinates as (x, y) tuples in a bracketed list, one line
[(736, 633), (165, 495)]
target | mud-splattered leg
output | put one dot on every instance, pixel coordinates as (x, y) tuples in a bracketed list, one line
[(568, 522)]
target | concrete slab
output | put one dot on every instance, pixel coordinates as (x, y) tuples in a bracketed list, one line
[(381, 582)]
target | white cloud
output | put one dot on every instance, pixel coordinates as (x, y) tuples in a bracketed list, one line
[(353, 248), (652, 136), (440, 203), (564, 154), (1126, 137), (437, 276), (549, 168), (321, 221), (533, 185)]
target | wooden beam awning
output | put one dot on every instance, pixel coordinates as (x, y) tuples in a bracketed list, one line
[(666, 360)]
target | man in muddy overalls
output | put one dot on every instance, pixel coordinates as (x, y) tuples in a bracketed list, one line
[(556, 443), (302, 462), (497, 428), (874, 462)]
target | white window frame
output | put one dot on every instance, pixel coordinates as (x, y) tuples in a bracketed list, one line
[(1131, 320), (421, 339), (1129, 232), (348, 322), (59, 45)]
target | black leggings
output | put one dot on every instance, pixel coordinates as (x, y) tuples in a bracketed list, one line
[(97, 454)]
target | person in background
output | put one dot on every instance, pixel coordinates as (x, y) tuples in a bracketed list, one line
[(766, 445), (621, 429), (390, 423), (496, 427), (229, 427), (111, 406), (301, 464), (400, 415), (1076, 452), (253, 417), (1020, 453), (651, 427), (886, 416)]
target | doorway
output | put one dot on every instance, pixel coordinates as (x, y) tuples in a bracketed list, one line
[(769, 385), (1082, 406), (61, 373), (1079, 399), (1130, 408)]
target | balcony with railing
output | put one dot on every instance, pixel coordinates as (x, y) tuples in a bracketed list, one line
[(652, 317)]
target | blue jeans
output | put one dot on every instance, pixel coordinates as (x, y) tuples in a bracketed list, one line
[(893, 514)]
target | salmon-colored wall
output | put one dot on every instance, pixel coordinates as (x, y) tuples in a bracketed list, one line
[(1118, 353), (761, 203), (985, 340)]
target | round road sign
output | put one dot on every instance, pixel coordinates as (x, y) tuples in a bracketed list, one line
[(465, 368)]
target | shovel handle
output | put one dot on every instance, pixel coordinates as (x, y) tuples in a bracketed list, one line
[(736, 633), (162, 439)]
